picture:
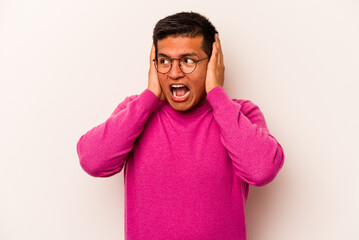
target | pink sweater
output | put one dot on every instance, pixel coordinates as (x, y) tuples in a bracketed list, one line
[(186, 173)]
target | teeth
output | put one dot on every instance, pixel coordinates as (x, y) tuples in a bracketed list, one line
[(177, 85), (174, 86)]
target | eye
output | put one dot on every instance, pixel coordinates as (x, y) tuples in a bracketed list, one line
[(163, 61), (187, 60)]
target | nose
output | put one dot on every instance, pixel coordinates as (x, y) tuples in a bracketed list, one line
[(175, 72)]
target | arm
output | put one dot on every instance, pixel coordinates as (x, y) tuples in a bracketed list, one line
[(103, 149), (256, 155)]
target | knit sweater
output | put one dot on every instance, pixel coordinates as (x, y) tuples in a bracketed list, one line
[(186, 174)]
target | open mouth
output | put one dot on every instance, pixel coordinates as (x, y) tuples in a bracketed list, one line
[(179, 91)]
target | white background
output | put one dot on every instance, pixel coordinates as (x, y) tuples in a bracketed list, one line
[(65, 66)]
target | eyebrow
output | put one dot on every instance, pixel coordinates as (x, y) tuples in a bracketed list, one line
[(191, 54)]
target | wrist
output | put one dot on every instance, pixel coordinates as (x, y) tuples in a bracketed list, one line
[(158, 95), (210, 88)]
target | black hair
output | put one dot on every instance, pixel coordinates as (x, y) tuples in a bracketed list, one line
[(186, 24)]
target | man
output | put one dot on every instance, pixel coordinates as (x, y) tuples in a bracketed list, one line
[(189, 152)]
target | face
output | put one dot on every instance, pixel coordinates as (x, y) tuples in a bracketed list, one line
[(193, 94)]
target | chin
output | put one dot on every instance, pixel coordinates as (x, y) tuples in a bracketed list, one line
[(180, 106)]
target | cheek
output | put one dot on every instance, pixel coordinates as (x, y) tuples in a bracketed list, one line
[(162, 80), (199, 81)]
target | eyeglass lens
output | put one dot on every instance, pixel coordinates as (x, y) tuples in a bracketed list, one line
[(186, 64)]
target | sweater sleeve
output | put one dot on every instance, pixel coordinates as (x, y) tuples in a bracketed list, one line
[(256, 155), (104, 149)]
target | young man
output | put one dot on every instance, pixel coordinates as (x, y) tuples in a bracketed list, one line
[(189, 152)]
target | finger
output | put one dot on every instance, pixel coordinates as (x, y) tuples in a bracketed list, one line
[(218, 42), (219, 46), (153, 52), (218, 53), (152, 56), (214, 53)]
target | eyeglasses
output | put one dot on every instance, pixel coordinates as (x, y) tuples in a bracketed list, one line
[(187, 65)]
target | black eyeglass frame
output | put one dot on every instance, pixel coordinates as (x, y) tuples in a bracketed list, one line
[(179, 60)]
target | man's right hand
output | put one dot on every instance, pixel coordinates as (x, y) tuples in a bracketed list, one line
[(153, 82)]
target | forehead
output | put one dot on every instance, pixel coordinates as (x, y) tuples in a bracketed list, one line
[(177, 46)]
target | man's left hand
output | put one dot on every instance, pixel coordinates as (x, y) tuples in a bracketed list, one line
[(215, 68)]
